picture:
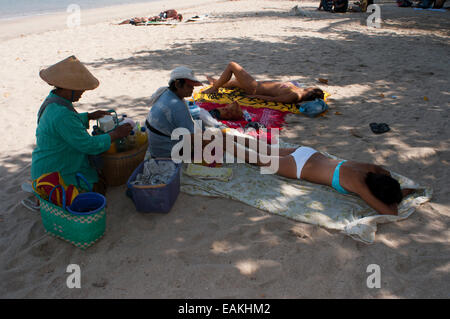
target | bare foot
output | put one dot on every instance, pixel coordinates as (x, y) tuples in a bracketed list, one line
[(211, 80), (210, 90)]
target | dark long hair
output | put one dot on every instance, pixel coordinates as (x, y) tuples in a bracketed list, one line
[(312, 94)]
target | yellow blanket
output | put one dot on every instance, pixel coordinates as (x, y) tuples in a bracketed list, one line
[(226, 96)]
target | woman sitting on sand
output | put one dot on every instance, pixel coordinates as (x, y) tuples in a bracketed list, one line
[(62, 141), (371, 182), (284, 92), (163, 16)]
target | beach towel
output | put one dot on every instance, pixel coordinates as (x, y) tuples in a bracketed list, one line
[(203, 172), (168, 22), (306, 202), (229, 95), (268, 117), (173, 21)]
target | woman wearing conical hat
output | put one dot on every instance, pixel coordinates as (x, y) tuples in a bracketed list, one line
[(62, 141)]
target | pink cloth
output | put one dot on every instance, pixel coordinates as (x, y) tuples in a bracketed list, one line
[(269, 117)]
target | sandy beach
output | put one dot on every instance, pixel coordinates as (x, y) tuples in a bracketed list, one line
[(217, 248)]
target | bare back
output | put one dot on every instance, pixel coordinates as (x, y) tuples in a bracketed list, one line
[(320, 169), (272, 88)]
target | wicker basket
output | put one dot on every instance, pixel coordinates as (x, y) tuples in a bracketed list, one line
[(118, 167), (81, 231)]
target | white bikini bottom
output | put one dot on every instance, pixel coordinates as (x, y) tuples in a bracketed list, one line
[(301, 155)]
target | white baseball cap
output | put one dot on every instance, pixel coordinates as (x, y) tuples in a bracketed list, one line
[(183, 72)]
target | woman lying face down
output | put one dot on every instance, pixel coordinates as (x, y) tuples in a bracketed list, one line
[(283, 92), (371, 182)]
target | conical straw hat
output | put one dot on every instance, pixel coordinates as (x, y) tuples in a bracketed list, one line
[(69, 74)]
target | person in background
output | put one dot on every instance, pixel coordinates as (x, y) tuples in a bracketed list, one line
[(438, 4), (334, 5), (163, 16), (326, 5), (404, 3), (340, 6), (426, 4), (170, 14), (62, 142)]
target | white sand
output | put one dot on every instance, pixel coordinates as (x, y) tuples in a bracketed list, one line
[(215, 248)]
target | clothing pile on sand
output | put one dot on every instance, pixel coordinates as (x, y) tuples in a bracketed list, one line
[(155, 173)]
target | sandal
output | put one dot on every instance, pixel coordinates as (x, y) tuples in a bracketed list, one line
[(31, 203), (379, 128)]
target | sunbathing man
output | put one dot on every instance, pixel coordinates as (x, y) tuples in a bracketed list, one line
[(284, 92), (163, 16), (371, 182)]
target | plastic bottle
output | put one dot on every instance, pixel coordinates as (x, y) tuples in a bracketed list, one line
[(247, 116), (194, 109), (141, 137), (131, 141), (112, 149)]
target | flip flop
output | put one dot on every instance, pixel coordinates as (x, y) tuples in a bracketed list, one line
[(379, 128), (30, 204)]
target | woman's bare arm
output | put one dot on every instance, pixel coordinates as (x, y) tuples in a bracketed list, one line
[(375, 203)]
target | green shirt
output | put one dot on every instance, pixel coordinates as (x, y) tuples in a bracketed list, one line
[(63, 143)]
